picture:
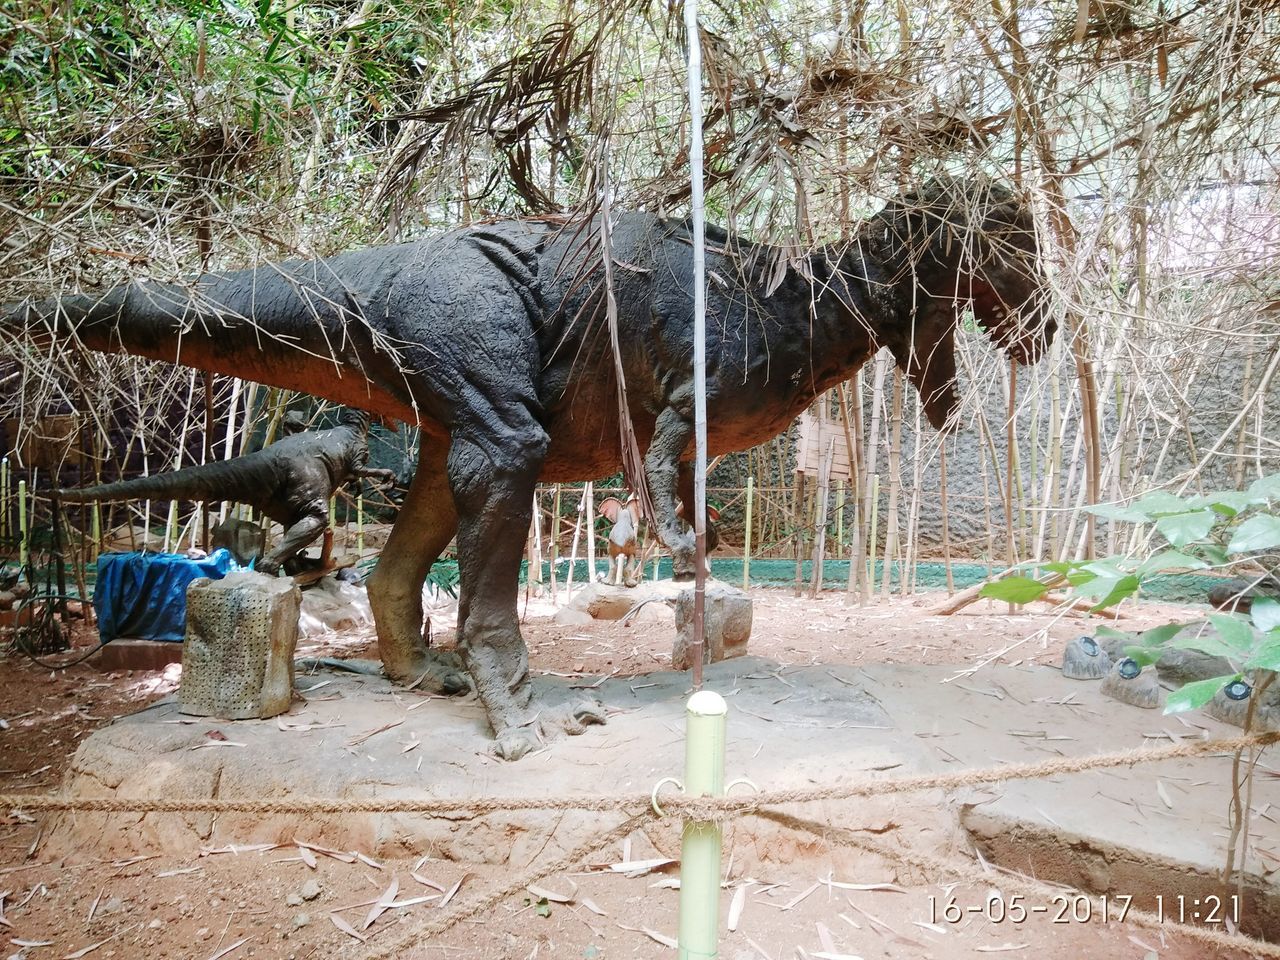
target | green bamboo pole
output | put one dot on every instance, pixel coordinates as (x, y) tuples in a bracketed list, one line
[(874, 533), (4, 497), (746, 545), (839, 517), (700, 848), (22, 523)]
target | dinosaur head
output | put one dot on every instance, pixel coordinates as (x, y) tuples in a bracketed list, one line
[(950, 248), (362, 420)]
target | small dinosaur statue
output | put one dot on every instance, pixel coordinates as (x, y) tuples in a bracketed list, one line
[(493, 340), (289, 481)]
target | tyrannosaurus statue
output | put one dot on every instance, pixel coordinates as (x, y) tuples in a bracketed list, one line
[(492, 338), (289, 481)]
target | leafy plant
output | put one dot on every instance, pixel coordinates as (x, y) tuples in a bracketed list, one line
[(1233, 531)]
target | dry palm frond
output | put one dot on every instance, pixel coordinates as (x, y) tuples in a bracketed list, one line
[(538, 88)]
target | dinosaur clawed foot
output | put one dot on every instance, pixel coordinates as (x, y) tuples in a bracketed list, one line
[(435, 671), (547, 723)]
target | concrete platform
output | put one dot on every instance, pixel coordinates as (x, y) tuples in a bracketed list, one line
[(1154, 829)]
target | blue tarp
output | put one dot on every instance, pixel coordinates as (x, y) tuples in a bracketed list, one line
[(144, 595)]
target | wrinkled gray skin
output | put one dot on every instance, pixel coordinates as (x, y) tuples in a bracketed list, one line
[(290, 481), (493, 339)]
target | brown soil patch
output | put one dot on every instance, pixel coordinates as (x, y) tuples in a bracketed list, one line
[(239, 904)]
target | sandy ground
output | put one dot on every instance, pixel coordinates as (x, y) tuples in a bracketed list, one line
[(292, 902)]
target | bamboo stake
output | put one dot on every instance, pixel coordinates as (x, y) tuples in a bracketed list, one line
[(895, 487), (22, 523), (853, 437), (820, 525), (908, 584), (588, 494), (535, 548), (573, 550), (4, 497), (798, 522), (1011, 457), (946, 519), (553, 542), (746, 539)]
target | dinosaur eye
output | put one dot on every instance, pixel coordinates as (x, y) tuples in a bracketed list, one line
[(1088, 645), (1129, 668)]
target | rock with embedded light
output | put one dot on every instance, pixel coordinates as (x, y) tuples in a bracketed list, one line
[(1132, 684), (1231, 705), (1083, 659)]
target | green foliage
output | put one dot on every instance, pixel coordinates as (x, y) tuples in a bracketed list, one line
[(1232, 531), (1014, 590), (1192, 696)]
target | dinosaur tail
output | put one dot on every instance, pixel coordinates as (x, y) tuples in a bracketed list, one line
[(312, 325), (221, 480)]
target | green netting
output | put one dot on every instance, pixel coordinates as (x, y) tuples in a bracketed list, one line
[(1175, 588)]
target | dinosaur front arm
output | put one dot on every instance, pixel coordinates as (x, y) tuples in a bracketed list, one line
[(375, 473)]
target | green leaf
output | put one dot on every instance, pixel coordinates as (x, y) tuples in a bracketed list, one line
[(1183, 528), (1234, 631), (1265, 488), (1226, 502), (1106, 568), (543, 909), (1013, 590), (1213, 554), (1197, 694), (1116, 589), (1114, 634), (1158, 636), (1113, 511), (1143, 656), (1267, 655), (1256, 534), (1230, 638), (1061, 566), (1168, 560), (1079, 578), (1265, 613), (1159, 503)]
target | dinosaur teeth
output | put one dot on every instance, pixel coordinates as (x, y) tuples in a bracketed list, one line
[(1131, 684), (1083, 659)]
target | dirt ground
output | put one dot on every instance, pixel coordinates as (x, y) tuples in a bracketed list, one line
[(300, 901)]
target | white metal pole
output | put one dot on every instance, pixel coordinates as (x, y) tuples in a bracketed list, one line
[(699, 333)]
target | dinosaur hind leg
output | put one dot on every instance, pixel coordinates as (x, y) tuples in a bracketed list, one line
[(426, 523), (493, 481), (301, 532)]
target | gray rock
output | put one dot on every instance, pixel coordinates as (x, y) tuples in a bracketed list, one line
[(310, 890)]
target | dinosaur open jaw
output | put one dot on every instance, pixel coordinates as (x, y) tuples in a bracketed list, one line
[(1023, 329)]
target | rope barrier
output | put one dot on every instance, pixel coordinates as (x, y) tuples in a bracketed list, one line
[(418, 933), (694, 808)]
